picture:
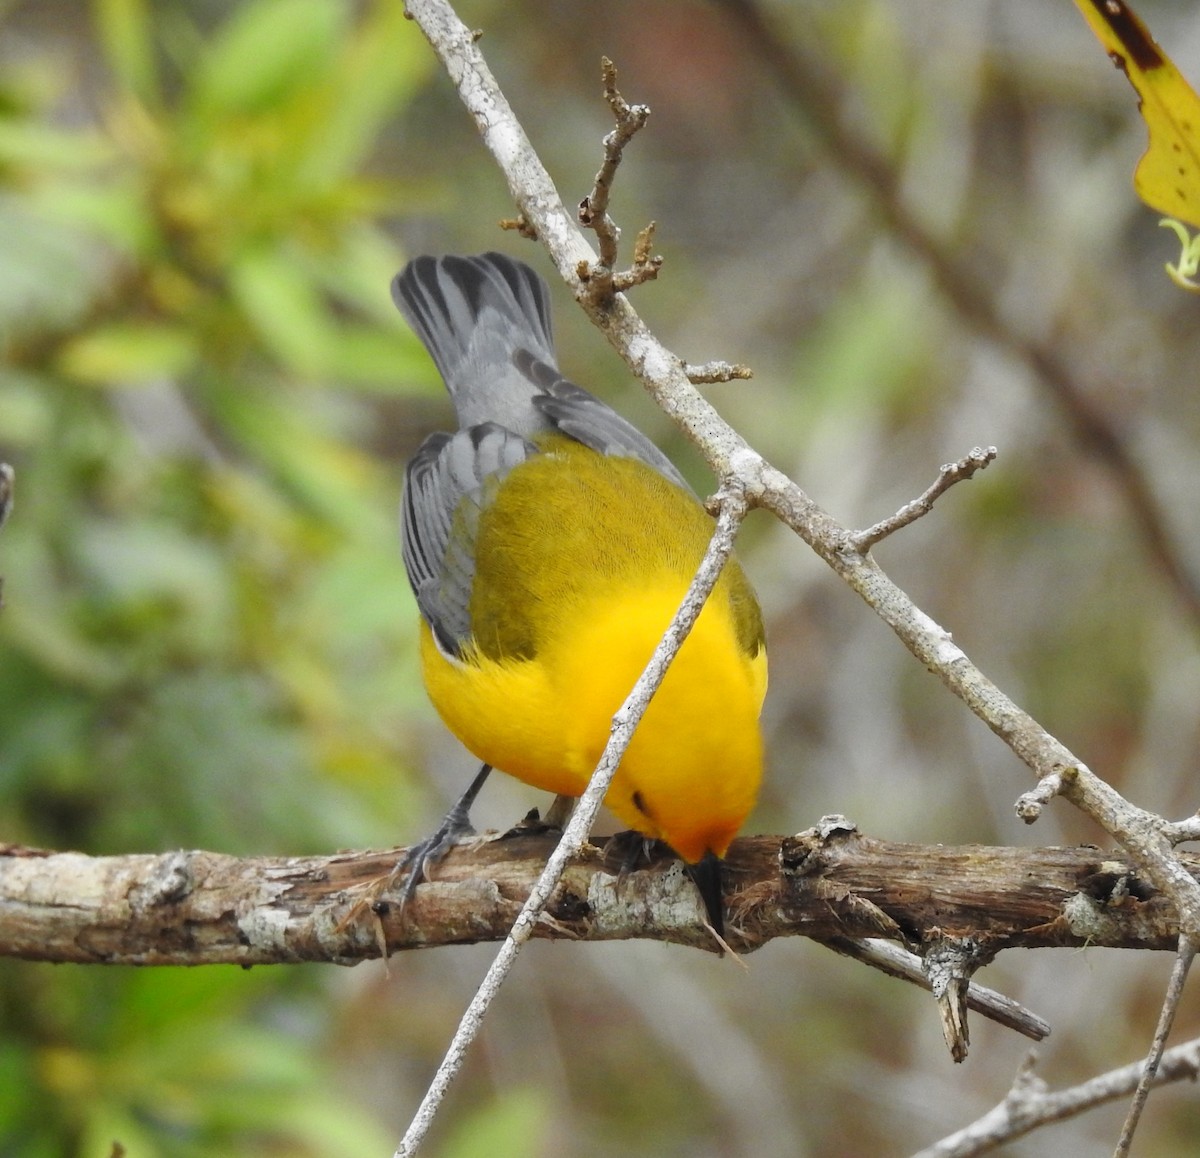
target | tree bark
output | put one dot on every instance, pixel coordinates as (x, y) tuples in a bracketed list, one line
[(194, 908)]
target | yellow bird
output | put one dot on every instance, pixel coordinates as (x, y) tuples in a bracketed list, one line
[(549, 543)]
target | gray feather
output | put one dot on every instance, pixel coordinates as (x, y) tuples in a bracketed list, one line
[(583, 417), (446, 487)]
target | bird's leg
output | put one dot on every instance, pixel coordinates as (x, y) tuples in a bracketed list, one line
[(560, 811), (423, 856)]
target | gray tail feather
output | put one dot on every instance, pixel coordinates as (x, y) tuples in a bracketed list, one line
[(473, 314)]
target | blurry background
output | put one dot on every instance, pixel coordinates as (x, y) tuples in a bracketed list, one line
[(922, 235)]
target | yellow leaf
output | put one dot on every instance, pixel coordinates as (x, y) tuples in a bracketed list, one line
[(1167, 178)]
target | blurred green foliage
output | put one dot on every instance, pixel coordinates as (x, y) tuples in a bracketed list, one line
[(206, 640)]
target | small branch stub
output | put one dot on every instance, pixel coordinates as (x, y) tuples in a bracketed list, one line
[(1183, 831), (951, 473), (949, 966), (706, 372), (1030, 804), (520, 225), (645, 264)]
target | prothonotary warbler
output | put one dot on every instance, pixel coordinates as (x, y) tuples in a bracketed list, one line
[(549, 543)]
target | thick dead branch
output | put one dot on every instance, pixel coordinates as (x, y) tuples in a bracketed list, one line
[(195, 908)]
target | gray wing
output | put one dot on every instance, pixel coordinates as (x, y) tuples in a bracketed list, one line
[(583, 417), (445, 490)]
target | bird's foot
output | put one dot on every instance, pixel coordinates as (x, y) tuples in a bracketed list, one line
[(626, 852), (417, 862)]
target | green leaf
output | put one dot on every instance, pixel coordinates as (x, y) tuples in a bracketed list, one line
[(129, 354), (392, 363), (115, 212), (285, 307), (26, 416), (51, 271), (382, 65), (38, 145), (267, 50), (124, 28)]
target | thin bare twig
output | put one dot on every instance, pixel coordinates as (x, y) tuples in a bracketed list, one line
[(950, 473), (593, 209), (733, 508), (1174, 994), (1029, 1104), (898, 962)]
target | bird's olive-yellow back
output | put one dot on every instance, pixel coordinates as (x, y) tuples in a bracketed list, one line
[(569, 525)]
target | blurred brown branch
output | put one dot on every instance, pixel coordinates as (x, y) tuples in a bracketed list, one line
[(7, 486), (194, 908)]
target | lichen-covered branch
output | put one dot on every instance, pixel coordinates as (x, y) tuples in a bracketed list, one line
[(197, 908)]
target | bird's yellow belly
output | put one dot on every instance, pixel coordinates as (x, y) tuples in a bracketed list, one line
[(504, 711), (546, 720)]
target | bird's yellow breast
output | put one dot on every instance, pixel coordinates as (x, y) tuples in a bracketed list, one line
[(581, 560)]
